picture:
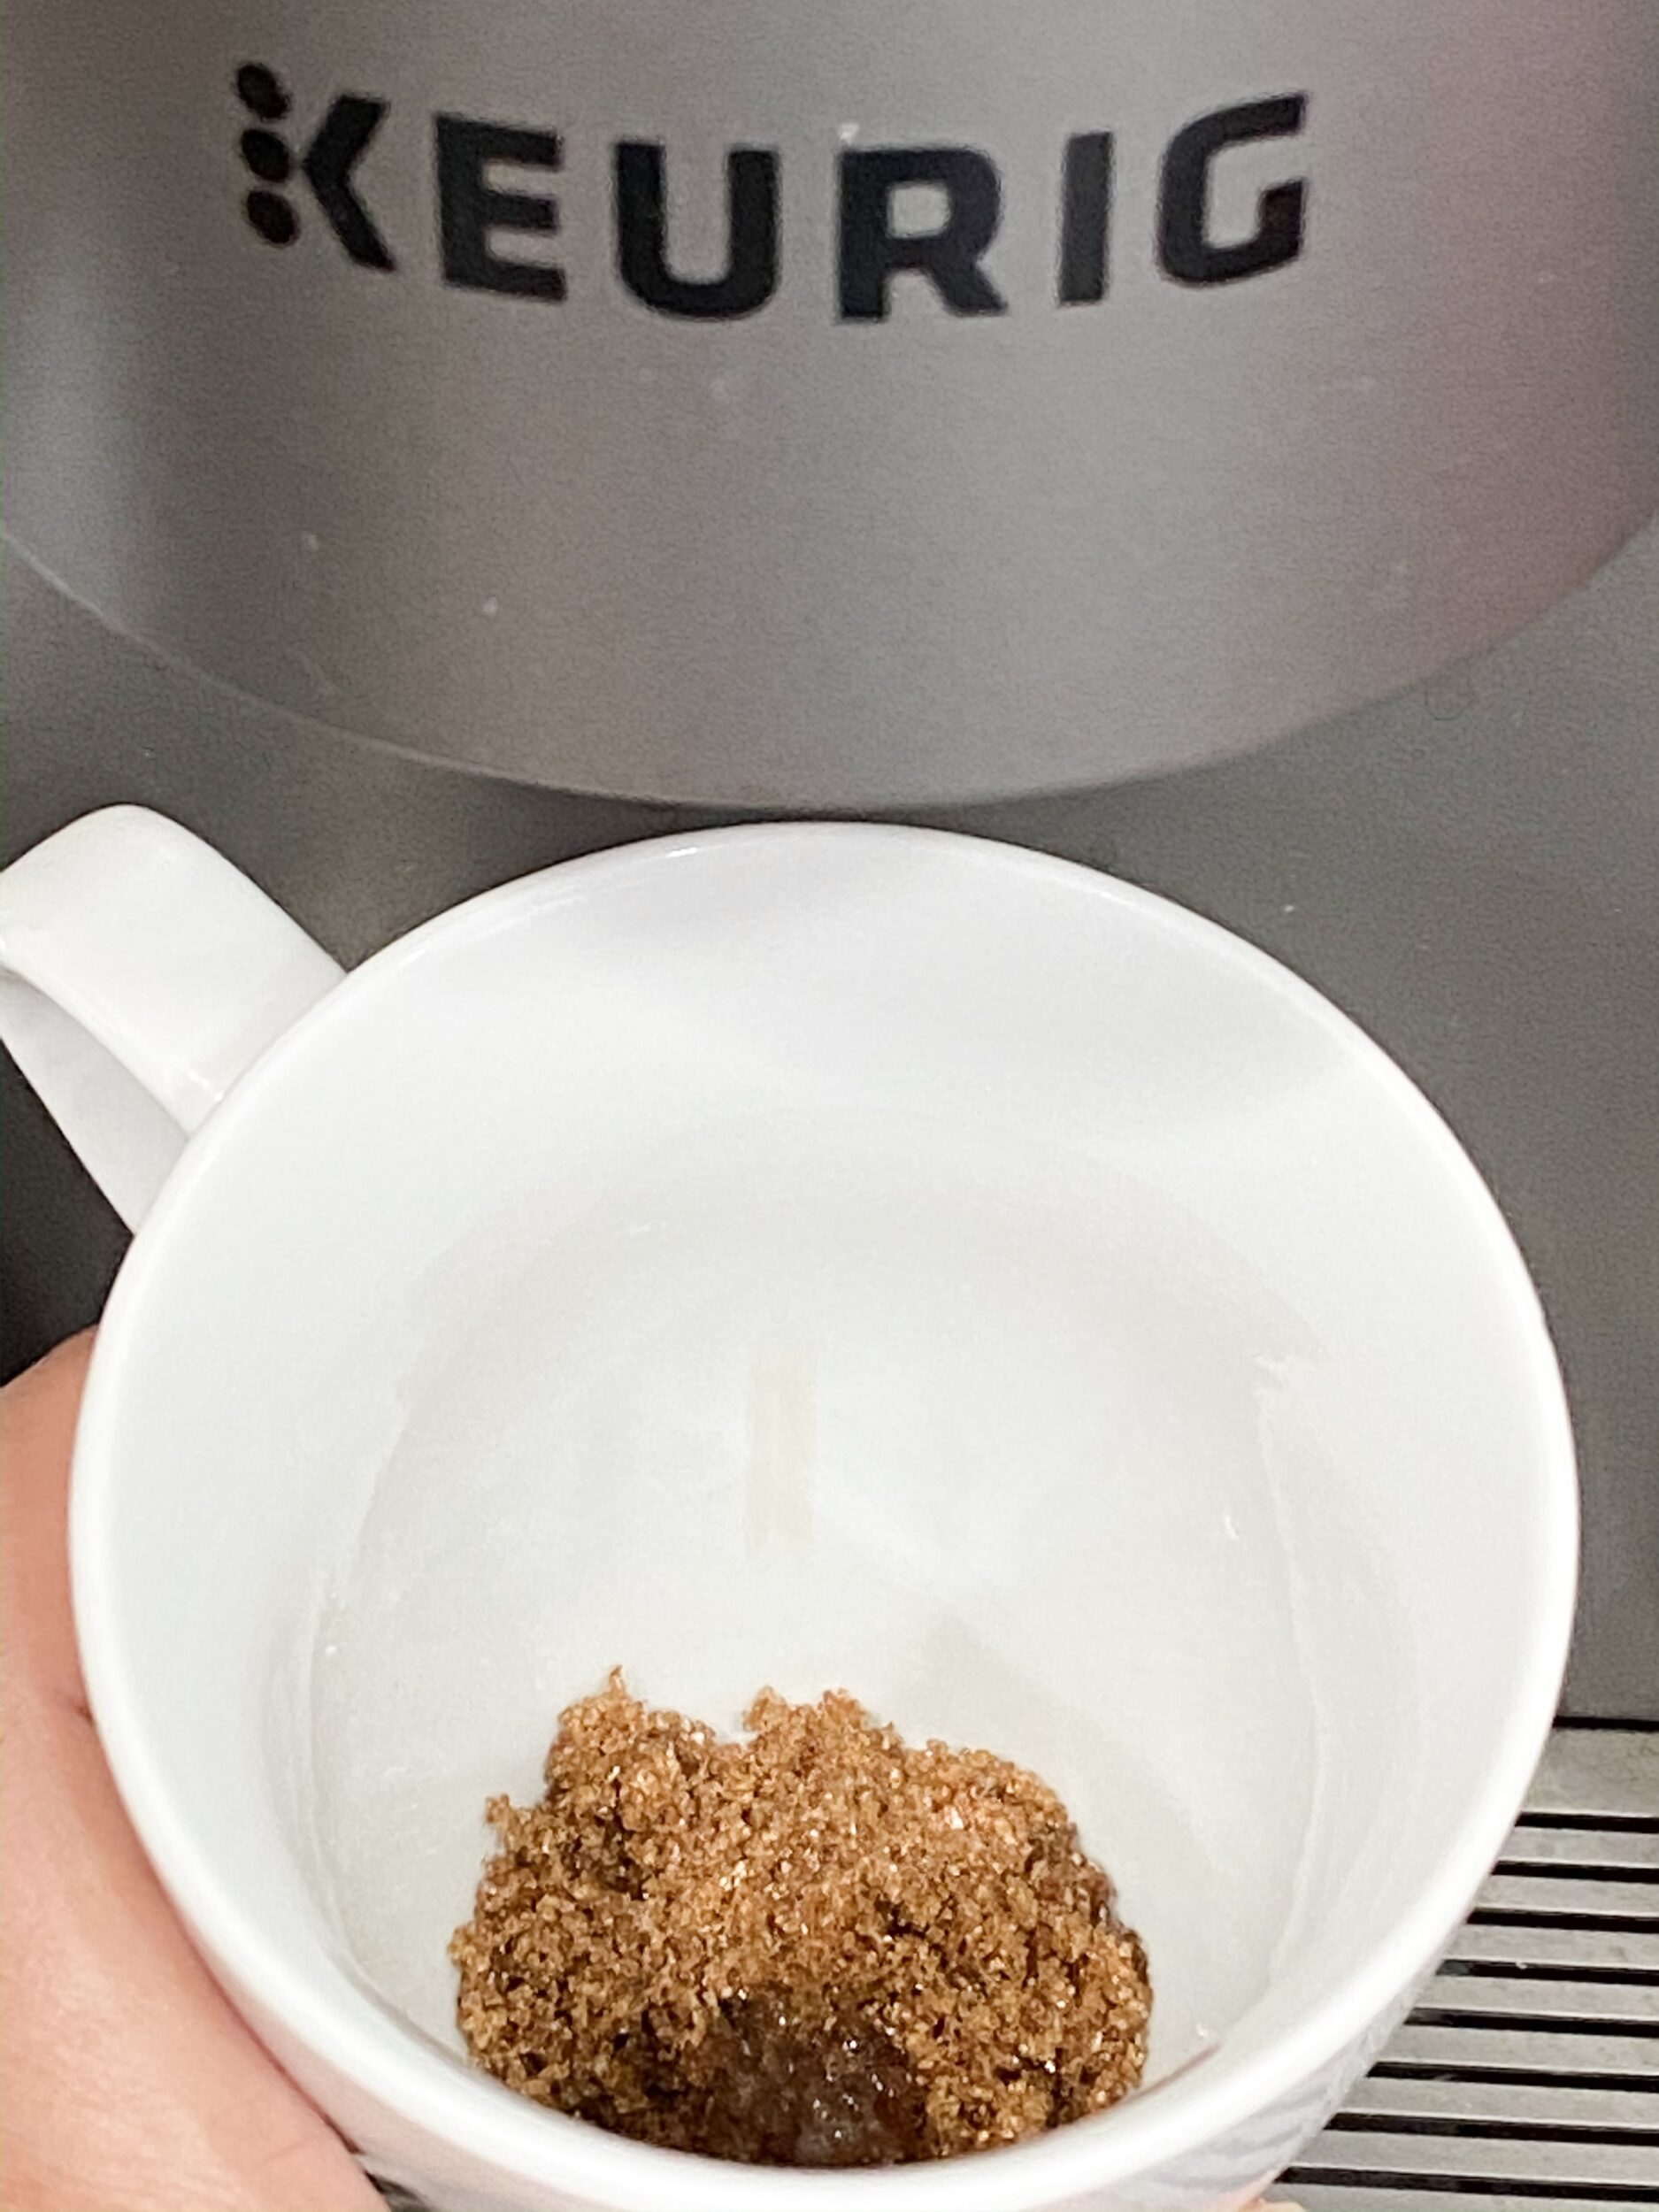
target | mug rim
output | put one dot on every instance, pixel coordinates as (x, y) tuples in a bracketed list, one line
[(476, 2117)]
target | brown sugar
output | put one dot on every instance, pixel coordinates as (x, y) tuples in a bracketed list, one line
[(819, 1946)]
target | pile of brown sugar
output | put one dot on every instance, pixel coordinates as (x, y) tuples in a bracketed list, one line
[(815, 1947)]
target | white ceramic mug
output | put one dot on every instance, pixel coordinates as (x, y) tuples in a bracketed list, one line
[(816, 1255)]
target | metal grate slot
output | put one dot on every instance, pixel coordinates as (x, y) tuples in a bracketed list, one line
[(1455, 2197), (1527, 2080), (1583, 1854)]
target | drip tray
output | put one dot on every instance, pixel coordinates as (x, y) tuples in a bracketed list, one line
[(1527, 2080)]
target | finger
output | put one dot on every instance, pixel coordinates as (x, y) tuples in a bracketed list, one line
[(37, 1428), (131, 2085), (130, 2082)]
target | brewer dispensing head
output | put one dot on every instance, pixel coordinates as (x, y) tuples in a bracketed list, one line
[(843, 406)]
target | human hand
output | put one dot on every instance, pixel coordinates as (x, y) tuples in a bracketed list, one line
[(128, 2083)]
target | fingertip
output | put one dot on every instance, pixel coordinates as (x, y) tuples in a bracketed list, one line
[(49, 1393)]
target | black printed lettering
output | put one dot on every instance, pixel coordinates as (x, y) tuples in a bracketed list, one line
[(1185, 248), (471, 211), (871, 254), (1086, 202), (750, 276), (333, 153)]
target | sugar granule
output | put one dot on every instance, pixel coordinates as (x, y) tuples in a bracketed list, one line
[(819, 1946)]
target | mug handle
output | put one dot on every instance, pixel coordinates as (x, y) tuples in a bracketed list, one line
[(141, 975)]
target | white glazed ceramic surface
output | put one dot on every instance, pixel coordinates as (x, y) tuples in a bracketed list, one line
[(821, 1255)]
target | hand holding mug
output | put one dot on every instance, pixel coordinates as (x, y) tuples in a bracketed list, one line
[(130, 2082)]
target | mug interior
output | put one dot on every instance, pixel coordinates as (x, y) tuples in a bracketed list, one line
[(829, 1258)]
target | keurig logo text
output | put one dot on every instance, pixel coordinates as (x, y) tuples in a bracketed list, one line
[(480, 223)]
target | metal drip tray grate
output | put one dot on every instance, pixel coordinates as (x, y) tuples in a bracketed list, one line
[(1527, 2080)]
